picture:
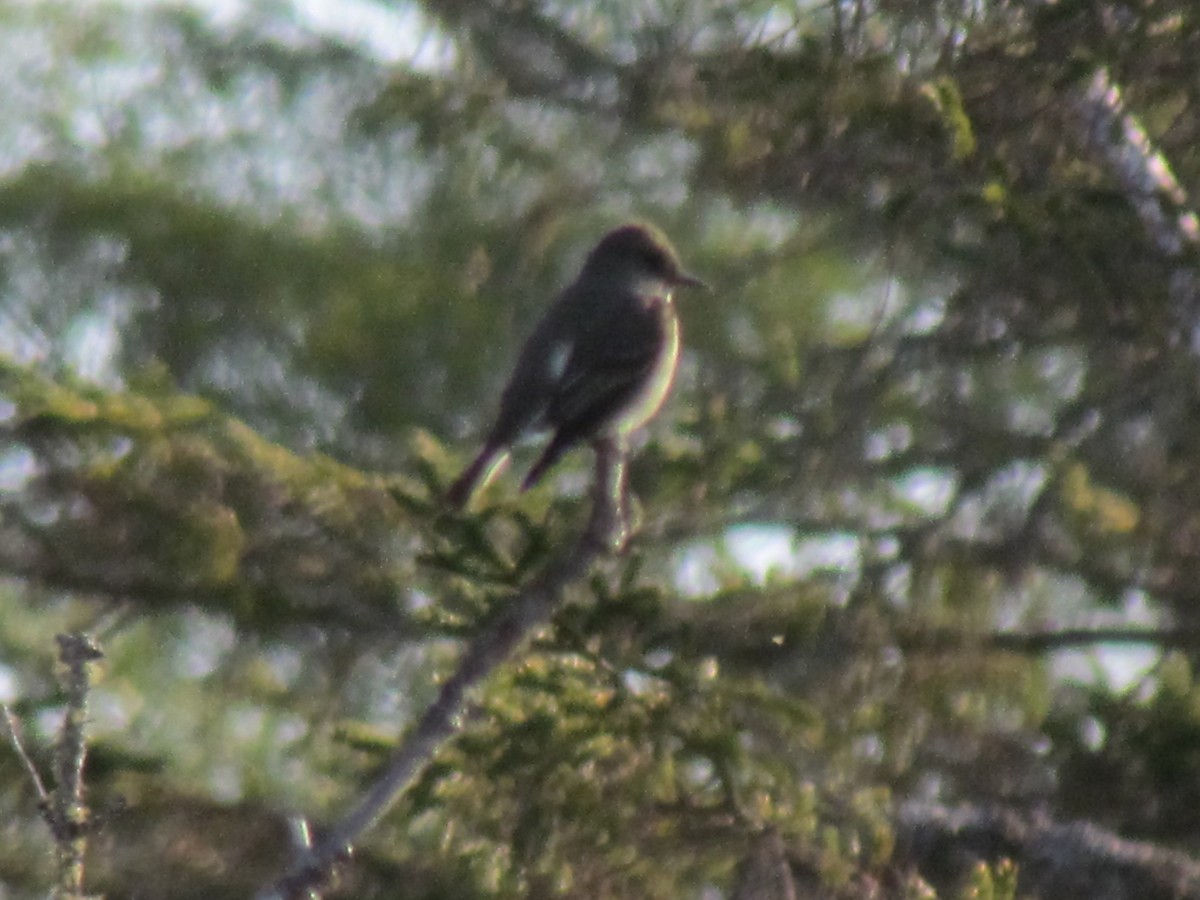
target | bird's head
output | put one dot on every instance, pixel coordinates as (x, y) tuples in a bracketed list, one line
[(642, 253)]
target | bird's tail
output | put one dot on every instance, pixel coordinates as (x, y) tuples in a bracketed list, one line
[(476, 476)]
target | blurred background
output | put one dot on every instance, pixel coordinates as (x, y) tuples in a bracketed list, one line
[(920, 528)]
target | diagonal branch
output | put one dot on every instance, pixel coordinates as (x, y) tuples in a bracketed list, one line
[(1146, 179), (606, 531)]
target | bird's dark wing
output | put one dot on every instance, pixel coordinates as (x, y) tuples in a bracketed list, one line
[(538, 370), (608, 365), (601, 379)]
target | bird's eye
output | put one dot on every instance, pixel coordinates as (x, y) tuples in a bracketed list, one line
[(655, 260)]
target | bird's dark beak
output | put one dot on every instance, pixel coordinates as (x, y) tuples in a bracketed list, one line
[(686, 280)]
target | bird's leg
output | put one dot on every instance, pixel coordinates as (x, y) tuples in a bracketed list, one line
[(610, 494)]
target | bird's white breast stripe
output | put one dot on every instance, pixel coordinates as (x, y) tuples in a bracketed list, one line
[(658, 382)]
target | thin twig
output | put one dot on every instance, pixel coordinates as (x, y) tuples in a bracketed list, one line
[(14, 733)]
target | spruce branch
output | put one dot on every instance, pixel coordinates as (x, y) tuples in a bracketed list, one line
[(607, 531)]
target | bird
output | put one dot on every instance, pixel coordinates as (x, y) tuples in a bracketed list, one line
[(600, 362)]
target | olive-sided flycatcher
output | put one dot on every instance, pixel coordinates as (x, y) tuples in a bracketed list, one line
[(599, 363)]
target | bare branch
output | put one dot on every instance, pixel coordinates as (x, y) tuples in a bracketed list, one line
[(71, 815), (1150, 186)]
